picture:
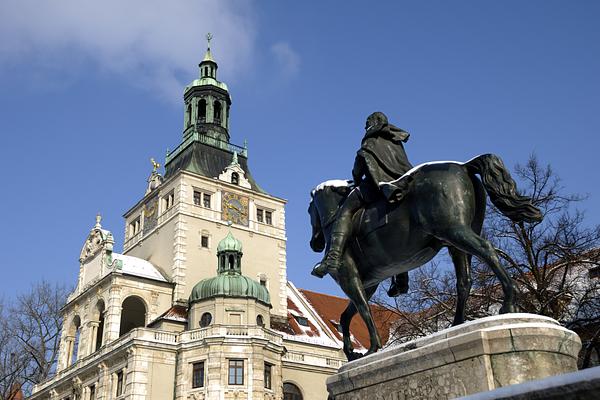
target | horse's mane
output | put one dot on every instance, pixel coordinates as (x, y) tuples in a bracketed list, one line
[(341, 185)]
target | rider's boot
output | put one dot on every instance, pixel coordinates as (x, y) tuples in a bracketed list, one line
[(319, 270), (333, 259)]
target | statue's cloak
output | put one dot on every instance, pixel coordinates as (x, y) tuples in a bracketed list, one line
[(381, 156)]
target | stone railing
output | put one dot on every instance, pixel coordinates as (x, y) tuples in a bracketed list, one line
[(231, 330), (312, 359), (150, 335), (131, 241)]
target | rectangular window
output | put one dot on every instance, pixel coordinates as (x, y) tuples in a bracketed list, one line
[(198, 375), (134, 227), (204, 241), (301, 320), (168, 201), (260, 215), (268, 218), (93, 392), (119, 383), (206, 200), (202, 199), (268, 383), (197, 197), (236, 372)]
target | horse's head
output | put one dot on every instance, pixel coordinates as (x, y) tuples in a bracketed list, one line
[(325, 201)]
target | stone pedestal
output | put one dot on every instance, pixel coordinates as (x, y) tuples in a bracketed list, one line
[(474, 357)]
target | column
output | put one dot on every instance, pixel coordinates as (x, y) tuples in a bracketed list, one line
[(112, 321), (93, 330)]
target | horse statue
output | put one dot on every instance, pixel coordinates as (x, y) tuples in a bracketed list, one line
[(443, 207)]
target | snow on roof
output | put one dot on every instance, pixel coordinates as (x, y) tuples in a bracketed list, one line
[(138, 267)]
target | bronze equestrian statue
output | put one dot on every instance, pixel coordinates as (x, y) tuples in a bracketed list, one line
[(398, 223)]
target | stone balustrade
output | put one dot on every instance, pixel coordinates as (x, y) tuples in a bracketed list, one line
[(164, 338)]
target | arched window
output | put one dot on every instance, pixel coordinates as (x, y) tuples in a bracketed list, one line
[(202, 110), (231, 261), (291, 392), (259, 320), (189, 115), (98, 333), (205, 320), (235, 178), (73, 340), (217, 107), (133, 314)]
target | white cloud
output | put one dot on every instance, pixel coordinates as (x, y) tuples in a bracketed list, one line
[(288, 59), (149, 42)]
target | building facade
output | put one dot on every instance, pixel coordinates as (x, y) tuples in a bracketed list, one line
[(198, 305)]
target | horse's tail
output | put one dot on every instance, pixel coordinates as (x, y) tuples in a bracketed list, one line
[(502, 189)]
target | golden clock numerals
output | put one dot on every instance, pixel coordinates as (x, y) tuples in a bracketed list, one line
[(235, 208)]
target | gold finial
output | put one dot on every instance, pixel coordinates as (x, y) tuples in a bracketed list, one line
[(209, 37), (155, 165), (98, 219)]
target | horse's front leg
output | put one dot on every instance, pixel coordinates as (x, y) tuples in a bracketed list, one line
[(351, 284), (345, 320)]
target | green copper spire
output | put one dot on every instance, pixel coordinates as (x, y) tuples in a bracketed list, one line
[(207, 102)]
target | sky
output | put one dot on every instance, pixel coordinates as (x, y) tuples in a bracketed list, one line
[(89, 91)]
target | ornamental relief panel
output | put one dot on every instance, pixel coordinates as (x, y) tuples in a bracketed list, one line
[(150, 214)]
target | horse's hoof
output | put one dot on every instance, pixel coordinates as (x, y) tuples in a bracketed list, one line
[(372, 351), (508, 308), (354, 356)]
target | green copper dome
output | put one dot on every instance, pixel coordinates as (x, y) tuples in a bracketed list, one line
[(229, 282), (229, 286), (229, 244)]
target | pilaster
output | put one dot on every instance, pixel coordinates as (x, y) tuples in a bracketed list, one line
[(179, 257), (136, 373)]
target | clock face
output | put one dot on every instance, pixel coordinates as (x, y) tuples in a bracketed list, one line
[(234, 208)]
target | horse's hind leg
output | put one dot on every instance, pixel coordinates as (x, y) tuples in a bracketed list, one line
[(468, 241), (462, 266)]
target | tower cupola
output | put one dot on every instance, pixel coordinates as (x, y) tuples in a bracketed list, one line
[(207, 102), (229, 281)]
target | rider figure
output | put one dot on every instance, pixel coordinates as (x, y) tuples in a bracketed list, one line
[(380, 160)]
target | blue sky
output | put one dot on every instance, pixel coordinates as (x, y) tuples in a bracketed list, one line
[(89, 91)]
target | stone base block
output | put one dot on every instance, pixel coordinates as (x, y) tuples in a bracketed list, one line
[(474, 357)]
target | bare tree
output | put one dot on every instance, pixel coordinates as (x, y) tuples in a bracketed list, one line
[(549, 261), (13, 362), (35, 323)]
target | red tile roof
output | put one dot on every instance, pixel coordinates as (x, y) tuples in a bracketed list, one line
[(330, 308), (176, 313)]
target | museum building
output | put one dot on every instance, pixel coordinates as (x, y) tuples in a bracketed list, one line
[(198, 305)]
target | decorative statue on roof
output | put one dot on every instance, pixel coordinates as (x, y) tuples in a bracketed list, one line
[(394, 218)]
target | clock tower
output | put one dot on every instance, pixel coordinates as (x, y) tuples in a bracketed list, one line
[(207, 190)]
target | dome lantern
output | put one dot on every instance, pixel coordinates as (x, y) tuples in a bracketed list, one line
[(229, 282)]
